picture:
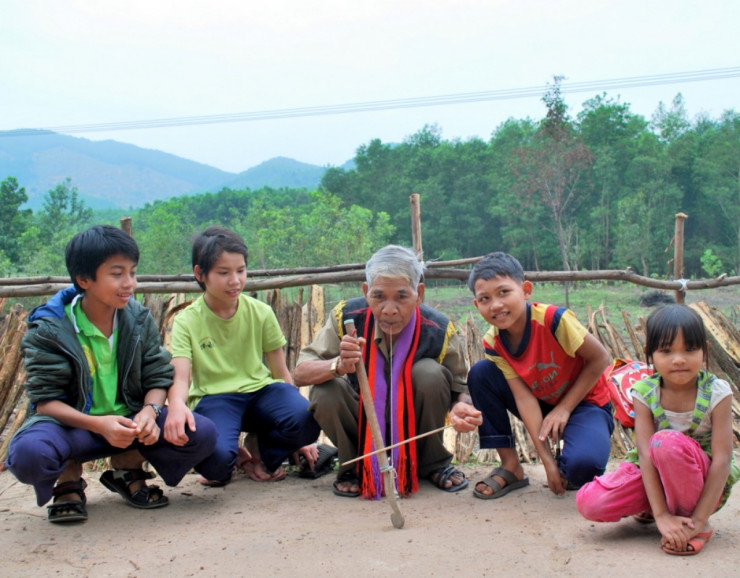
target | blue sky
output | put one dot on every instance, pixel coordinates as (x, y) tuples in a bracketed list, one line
[(79, 62)]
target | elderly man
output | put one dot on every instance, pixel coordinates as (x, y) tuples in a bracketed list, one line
[(415, 365)]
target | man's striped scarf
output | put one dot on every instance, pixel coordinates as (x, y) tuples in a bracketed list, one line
[(394, 404)]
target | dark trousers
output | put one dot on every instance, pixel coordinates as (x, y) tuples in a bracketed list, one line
[(336, 405), (39, 454), (277, 413), (586, 438)]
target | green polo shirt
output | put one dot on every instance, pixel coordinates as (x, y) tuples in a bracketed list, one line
[(100, 352)]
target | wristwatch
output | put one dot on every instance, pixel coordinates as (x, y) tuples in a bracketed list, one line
[(334, 368), (157, 409)]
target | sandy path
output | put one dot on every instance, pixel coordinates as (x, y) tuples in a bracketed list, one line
[(297, 527)]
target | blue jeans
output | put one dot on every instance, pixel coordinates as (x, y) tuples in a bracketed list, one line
[(586, 438), (277, 413), (38, 455)]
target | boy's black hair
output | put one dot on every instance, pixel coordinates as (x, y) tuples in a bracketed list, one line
[(208, 246), (496, 264), (664, 323), (88, 250)]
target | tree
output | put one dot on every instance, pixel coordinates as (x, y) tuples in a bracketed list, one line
[(718, 177), (63, 209), (515, 223), (549, 171), (671, 122), (317, 233), (13, 220), (613, 134), (62, 216), (645, 215), (163, 233)]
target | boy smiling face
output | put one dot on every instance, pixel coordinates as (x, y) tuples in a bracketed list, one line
[(502, 302), (112, 288)]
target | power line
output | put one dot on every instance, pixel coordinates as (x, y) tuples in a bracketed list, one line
[(393, 104)]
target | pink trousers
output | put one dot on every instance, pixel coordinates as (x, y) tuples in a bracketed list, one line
[(682, 466)]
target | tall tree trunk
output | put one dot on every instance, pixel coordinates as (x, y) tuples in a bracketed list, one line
[(563, 256)]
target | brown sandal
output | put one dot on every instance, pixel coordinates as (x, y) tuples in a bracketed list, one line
[(512, 483)]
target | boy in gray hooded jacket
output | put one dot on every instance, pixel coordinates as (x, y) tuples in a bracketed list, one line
[(97, 380)]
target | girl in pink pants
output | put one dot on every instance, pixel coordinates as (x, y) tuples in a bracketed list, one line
[(682, 469)]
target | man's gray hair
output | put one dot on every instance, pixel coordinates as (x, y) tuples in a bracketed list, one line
[(395, 262)]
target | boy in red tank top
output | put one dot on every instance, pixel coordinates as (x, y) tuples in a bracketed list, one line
[(543, 366)]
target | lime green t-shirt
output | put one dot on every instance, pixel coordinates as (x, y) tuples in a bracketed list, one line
[(100, 352), (226, 355)]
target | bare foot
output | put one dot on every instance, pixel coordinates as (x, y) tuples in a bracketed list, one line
[(248, 459), (444, 480), (351, 486), (212, 483), (257, 471), (346, 485)]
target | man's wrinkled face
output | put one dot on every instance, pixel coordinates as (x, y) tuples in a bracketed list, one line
[(393, 301)]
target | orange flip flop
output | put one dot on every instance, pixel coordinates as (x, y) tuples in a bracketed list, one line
[(696, 543)]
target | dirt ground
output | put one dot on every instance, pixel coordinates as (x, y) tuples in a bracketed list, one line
[(298, 526)]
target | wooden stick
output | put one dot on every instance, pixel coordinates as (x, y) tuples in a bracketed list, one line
[(372, 419), (386, 448)]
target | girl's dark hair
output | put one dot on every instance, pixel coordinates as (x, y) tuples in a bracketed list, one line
[(664, 323), (208, 246), (89, 249)]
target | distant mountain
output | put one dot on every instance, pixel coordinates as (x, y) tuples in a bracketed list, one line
[(277, 173), (109, 174)]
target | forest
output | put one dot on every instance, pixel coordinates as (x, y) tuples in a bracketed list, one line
[(598, 190)]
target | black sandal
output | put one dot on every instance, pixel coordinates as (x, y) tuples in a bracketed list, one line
[(324, 464), (145, 498), (68, 510)]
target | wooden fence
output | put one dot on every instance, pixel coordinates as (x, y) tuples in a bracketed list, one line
[(165, 296), (301, 319)]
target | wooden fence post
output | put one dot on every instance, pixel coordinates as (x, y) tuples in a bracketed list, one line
[(126, 226), (416, 225), (678, 237)]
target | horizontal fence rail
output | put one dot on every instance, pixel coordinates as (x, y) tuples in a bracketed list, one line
[(261, 280)]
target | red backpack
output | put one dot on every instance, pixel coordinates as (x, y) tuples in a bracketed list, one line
[(623, 375)]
